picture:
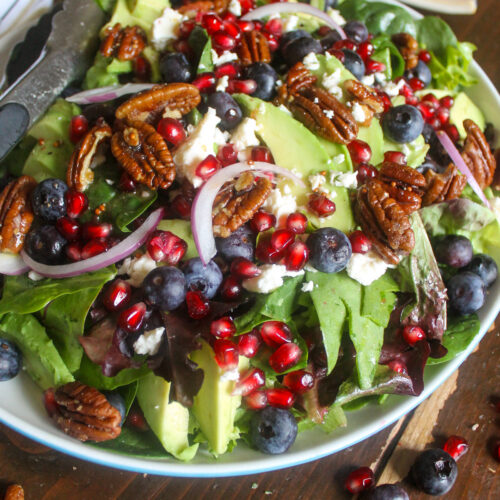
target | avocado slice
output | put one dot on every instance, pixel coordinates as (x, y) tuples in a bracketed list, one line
[(169, 421), (182, 229), (214, 406)]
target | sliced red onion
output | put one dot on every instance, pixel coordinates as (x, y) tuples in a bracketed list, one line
[(286, 7), (109, 93), (201, 211), (12, 264), (457, 159), (123, 249)]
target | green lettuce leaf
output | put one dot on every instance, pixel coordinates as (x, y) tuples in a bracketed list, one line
[(385, 51), (201, 44)]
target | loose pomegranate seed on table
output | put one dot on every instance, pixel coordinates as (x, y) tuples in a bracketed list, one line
[(359, 480), (280, 398), (244, 268), (413, 334), (286, 356), (248, 344), (275, 333), (299, 381), (296, 256), (164, 246), (93, 248), (249, 382), (223, 328), (69, 228), (360, 243), (256, 400), (360, 151), (197, 305), (207, 167), (226, 354), (78, 127), (132, 318), (297, 222), (171, 130), (321, 205), (116, 295), (262, 221), (456, 446), (76, 203)]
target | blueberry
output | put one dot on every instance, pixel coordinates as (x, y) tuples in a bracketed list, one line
[(273, 430), (434, 472), (330, 250), (165, 287), (227, 109), (10, 360), (174, 67), (453, 250), (115, 399), (329, 39), (466, 292), (265, 76), (240, 243), (290, 36), (386, 492), (485, 267), (297, 49), (356, 31), (205, 279), (354, 63), (45, 244), (420, 71), (48, 200), (402, 123)]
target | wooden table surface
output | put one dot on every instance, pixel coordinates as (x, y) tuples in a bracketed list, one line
[(463, 406)]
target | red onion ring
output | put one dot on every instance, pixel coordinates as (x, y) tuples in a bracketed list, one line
[(123, 249), (457, 159), (278, 8), (12, 264), (109, 93), (201, 210)]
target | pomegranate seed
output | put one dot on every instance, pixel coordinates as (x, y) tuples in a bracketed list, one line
[(359, 480), (286, 356), (74, 251), (413, 334), (229, 16), (205, 82), (248, 344), (164, 246), (136, 420), (431, 100), (386, 100), (338, 54), (321, 205), (443, 115), (49, 401), (247, 5), (243, 268), (275, 27), (365, 172), (447, 101), (93, 230), (395, 156), (360, 151), (241, 87), (183, 47), (265, 252), (280, 398), (324, 30), (373, 66), (272, 41), (132, 318), (207, 167), (360, 243), (211, 22), (434, 123), (424, 56), (262, 221), (456, 446), (226, 354), (181, 206), (297, 255), (397, 366), (296, 223), (299, 381), (227, 155), (275, 333), (197, 305), (142, 69), (69, 228), (223, 328), (426, 112), (116, 295), (76, 203), (230, 69), (365, 50), (282, 239), (412, 100), (246, 26), (78, 127), (405, 90), (251, 381), (232, 30), (186, 27), (93, 248), (230, 288), (344, 44), (171, 130), (256, 400), (416, 84), (452, 132), (222, 41), (261, 153), (126, 183)]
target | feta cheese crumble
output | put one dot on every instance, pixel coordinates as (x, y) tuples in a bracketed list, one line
[(222, 83), (137, 268), (34, 276), (331, 83), (317, 182), (244, 135), (149, 342), (311, 62), (235, 8), (165, 28), (336, 16), (348, 180), (328, 113), (358, 112), (270, 278), (284, 109), (308, 286), (281, 202), (223, 58), (291, 23), (367, 267)]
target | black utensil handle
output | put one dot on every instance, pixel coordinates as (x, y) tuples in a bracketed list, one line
[(14, 121)]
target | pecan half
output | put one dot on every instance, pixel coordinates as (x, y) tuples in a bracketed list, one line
[(14, 492), (297, 78), (366, 97), (79, 174), (218, 6), (443, 187), (144, 154), (238, 201), (408, 47), (405, 184), (123, 43), (84, 413), (254, 48), (172, 100), (477, 155), (16, 214)]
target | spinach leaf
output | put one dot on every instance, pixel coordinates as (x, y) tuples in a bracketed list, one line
[(128, 393), (397, 64), (201, 44), (435, 35)]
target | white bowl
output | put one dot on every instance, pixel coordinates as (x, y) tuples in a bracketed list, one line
[(21, 404)]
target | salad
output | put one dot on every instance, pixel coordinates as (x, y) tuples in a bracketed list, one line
[(248, 220)]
